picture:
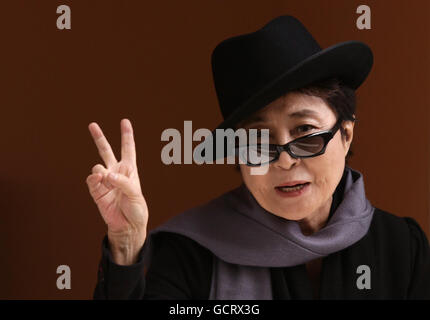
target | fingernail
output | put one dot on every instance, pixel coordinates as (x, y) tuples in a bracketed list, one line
[(113, 176)]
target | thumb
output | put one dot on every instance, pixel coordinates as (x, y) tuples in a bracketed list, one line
[(124, 183)]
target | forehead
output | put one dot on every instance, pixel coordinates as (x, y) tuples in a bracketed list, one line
[(294, 106)]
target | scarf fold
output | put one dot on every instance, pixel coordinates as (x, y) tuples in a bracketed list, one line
[(247, 240)]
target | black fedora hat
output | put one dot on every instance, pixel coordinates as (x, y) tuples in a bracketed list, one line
[(254, 69)]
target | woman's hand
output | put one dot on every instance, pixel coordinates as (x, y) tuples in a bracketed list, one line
[(115, 188)]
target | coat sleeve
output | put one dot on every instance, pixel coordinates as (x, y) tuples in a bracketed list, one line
[(119, 282), (180, 269), (419, 287)]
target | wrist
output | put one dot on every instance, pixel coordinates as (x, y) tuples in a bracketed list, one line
[(125, 248)]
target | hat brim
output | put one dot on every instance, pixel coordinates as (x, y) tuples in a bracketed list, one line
[(349, 61)]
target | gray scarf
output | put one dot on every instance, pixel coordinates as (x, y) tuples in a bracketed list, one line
[(247, 240)]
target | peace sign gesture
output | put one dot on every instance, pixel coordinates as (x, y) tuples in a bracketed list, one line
[(115, 188)]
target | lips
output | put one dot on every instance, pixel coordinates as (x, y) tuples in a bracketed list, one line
[(292, 189), (295, 183)]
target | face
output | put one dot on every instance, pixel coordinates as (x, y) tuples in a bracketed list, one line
[(289, 117)]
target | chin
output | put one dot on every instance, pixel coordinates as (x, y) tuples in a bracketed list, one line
[(293, 213), (290, 215), (288, 208)]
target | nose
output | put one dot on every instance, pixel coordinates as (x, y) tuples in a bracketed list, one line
[(285, 161)]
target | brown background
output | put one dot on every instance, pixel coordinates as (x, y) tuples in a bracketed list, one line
[(150, 62)]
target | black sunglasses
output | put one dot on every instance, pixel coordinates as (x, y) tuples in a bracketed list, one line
[(308, 146)]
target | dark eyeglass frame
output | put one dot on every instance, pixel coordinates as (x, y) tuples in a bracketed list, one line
[(327, 135)]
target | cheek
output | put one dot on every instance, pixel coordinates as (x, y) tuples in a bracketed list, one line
[(259, 185), (334, 156), (327, 169)]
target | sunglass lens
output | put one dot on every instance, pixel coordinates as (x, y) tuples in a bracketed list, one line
[(257, 154), (308, 146)]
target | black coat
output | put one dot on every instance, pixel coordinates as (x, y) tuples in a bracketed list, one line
[(395, 249)]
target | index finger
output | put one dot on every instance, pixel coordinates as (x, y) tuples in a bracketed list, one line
[(128, 148), (103, 146)]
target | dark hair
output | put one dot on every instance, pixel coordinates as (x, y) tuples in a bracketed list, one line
[(340, 97)]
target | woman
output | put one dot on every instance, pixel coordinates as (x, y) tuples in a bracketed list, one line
[(302, 230)]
